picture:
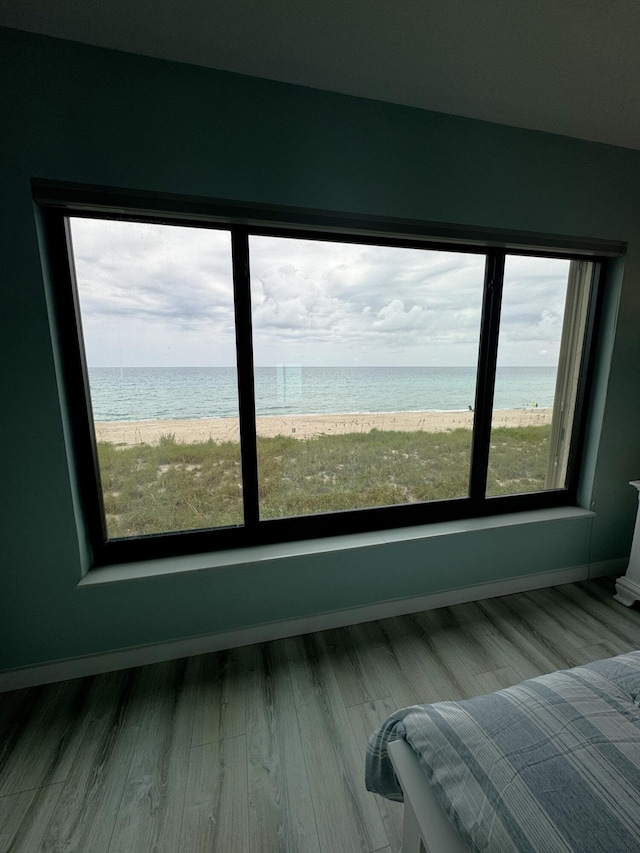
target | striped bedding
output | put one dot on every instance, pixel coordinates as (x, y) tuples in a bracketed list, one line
[(552, 764)]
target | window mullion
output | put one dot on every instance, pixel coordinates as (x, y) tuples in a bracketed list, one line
[(487, 359), (246, 392)]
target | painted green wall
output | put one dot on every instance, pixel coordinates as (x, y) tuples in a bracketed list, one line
[(77, 113)]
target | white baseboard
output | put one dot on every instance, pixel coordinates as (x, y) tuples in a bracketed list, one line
[(157, 652), (604, 568)]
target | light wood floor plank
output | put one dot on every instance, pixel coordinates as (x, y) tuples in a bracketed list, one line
[(607, 649), (220, 710), (468, 625), (346, 815), (150, 816), (596, 601), (396, 626), (489, 634), (402, 663), (281, 811), (15, 707), (530, 657), (557, 629), (542, 633), (453, 657), (215, 816), (24, 818), (497, 679), (364, 719), (576, 630), (436, 619), (358, 682), (416, 670), (91, 796), (43, 743)]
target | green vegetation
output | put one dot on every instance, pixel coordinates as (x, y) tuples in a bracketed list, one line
[(172, 486), (518, 460)]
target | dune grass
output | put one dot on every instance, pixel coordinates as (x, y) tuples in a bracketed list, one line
[(173, 486)]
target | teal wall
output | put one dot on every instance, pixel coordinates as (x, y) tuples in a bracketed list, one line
[(76, 113)]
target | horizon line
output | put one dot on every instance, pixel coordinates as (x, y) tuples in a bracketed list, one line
[(296, 365)]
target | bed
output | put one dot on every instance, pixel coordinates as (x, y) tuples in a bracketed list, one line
[(552, 764)]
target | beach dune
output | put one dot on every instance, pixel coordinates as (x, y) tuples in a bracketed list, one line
[(190, 431)]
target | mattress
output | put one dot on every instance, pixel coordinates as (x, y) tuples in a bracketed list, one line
[(552, 764)]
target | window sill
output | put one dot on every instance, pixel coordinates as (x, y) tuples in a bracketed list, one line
[(310, 547)]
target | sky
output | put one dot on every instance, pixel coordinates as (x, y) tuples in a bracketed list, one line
[(161, 295)]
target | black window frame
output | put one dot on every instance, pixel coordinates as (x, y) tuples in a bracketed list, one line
[(56, 202)]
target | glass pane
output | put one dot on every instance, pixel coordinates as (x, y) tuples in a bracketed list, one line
[(365, 373), (543, 321), (156, 303)]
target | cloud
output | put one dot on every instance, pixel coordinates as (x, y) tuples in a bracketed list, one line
[(158, 273), (393, 317), (348, 294), (168, 289)]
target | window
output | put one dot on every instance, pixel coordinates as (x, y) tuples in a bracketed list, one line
[(243, 376)]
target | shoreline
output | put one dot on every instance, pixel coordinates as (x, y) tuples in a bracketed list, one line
[(194, 430)]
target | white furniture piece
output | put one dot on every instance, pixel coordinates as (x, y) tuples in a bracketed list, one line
[(628, 586), (425, 828)]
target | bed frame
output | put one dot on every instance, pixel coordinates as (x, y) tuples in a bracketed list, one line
[(426, 827)]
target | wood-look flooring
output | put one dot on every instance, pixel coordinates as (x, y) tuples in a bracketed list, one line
[(261, 749)]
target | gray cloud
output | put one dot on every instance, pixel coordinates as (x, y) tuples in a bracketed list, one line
[(153, 272), (344, 294), (165, 293)]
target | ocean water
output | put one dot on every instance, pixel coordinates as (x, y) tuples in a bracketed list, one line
[(142, 393)]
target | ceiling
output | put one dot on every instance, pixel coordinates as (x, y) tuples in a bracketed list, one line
[(563, 66)]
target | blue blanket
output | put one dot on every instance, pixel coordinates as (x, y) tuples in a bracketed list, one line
[(552, 764)]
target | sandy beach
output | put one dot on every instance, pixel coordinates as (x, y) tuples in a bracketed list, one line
[(308, 426)]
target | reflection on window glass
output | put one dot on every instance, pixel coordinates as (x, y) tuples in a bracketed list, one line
[(157, 315), (365, 373), (542, 328)]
